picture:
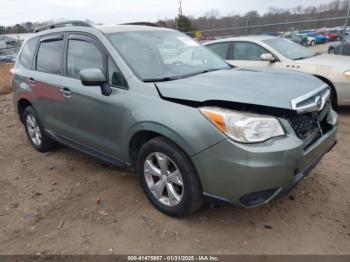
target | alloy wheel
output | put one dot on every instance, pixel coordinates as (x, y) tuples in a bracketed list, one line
[(163, 179), (34, 131)]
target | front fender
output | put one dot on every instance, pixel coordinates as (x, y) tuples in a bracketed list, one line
[(162, 130)]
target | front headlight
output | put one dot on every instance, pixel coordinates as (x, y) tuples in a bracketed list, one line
[(347, 74), (243, 127)]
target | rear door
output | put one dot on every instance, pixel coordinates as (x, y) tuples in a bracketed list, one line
[(45, 80), (221, 49)]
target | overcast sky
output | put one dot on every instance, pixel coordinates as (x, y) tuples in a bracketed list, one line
[(119, 11)]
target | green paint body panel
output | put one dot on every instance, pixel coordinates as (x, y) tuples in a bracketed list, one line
[(227, 170)]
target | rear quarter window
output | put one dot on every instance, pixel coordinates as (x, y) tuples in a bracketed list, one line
[(27, 54)]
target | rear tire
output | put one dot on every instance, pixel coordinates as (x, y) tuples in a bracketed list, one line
[(313, 43), (157, 162), (35, 131)]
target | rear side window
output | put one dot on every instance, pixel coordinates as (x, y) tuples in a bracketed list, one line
[(82, 55), (49, 57), (27, 54), (220, 49)]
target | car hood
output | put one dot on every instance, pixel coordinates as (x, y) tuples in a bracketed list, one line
[(328, 60), (272, 88)]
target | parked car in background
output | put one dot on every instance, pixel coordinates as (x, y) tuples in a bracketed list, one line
[(319, 39), (335, 48), (7, 58), (279, 53), (299, 39), (188, 123), (331, 34), (311, 41)]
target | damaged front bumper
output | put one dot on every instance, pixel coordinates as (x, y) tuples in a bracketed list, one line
[(250, 175)]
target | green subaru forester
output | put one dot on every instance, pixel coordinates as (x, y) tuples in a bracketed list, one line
[(154, 100)]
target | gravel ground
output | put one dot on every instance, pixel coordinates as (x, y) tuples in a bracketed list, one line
[(65, 202)]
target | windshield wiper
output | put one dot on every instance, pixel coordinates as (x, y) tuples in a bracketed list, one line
[(164, 79), (170, 78), (303, 57), (202, 72)]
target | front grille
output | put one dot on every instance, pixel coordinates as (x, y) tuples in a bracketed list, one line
[(309, 127), (303, 125)]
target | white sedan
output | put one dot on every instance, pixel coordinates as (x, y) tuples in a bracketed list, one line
[(279, 53)]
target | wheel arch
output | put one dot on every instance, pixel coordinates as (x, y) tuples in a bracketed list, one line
[(22, 104), (144, 132)]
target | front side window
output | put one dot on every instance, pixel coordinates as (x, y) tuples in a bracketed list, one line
[(49, 58), (247, 51), (164, 55), (220, 49), (27, 55), (82, 55)]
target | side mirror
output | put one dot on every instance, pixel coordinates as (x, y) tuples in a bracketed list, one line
[(267, 57), (95, 77)]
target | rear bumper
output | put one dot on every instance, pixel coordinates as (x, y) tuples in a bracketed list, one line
[(252, 175)]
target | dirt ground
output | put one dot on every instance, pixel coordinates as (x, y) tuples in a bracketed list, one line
[(65, 202)]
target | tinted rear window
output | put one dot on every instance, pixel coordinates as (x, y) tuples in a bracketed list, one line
[(49, 58), (27, 55)]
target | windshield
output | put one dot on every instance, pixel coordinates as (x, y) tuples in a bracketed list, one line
[(289, 49), (164, 55)]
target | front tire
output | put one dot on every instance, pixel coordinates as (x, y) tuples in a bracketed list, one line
[(35, 131), (168, 177)]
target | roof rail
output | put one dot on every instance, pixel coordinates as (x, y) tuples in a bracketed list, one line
[(61, 24), (142, 23)]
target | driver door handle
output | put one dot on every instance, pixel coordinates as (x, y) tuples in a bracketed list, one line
[(66, 91)]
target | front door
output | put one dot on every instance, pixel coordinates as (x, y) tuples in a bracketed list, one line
[(92, 119), (248, 54)]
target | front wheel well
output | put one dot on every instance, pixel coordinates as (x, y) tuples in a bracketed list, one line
[(22, 104), (334, 96), (136, 143)]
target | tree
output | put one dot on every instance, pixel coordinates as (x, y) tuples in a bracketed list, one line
[(28, 26), (252, 14), (183, 23)]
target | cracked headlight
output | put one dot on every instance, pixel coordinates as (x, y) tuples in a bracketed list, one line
[(243, 127)]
